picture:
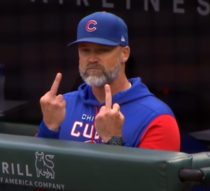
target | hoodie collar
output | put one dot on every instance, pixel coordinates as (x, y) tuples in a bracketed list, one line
[(137, 91)]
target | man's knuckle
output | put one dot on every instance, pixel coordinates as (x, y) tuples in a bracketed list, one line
[(108, 113), (41, 100), (44, 100), (54, 103), (64, 103), (98, 117), (102, 108), (61, 105), (60, 96)]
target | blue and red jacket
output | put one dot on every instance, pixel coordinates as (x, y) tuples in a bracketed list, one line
[(149, 123)]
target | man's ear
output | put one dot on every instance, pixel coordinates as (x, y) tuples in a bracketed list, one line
[(125, 54)]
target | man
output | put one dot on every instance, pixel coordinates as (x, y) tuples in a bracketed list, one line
[(108, 108)]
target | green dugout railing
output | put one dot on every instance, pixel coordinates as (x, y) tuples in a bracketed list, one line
[(28, 163)]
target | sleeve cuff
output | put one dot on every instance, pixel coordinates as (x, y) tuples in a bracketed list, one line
[(47, 133)]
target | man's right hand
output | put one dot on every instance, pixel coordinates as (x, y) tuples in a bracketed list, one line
[(53, 106)]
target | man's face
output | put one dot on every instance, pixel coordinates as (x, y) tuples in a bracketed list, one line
[(99, 64)]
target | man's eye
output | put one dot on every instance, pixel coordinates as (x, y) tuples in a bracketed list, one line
[(104, 50), (85, 50)]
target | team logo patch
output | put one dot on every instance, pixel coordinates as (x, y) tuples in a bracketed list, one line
[(90, 27)]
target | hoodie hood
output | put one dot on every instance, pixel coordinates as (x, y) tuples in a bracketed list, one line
[(137, 91)]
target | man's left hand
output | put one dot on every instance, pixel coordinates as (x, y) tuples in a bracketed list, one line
[(109, 121)]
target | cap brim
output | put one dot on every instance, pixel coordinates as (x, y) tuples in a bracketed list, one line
[(95, 41)]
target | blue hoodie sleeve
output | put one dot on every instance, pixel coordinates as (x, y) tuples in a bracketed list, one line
[(44, 132)]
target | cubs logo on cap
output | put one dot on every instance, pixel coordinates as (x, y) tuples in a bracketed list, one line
[(89, 25)]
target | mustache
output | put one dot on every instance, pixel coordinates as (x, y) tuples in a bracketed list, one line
[(91, 66)]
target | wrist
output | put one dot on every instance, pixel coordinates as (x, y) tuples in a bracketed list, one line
[(45, 132), (52, 127)]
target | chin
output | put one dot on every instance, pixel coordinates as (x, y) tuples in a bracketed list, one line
[(95, 81)]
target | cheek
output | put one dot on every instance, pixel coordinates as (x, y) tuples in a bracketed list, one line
[(112, 62), (82, 62)]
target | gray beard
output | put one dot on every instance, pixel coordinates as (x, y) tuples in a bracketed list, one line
[(101, 77)]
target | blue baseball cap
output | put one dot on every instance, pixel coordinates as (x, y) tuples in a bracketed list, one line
[(102, 28)]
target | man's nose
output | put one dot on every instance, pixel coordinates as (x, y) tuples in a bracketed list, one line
[(93, 57)]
